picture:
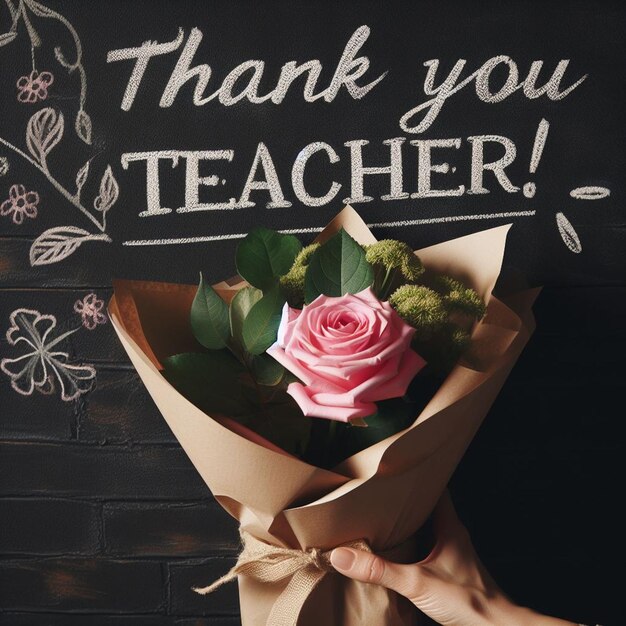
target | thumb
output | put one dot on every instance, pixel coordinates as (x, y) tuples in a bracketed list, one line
[(370, 568)]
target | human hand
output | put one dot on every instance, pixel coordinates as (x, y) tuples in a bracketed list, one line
[(450, 585)]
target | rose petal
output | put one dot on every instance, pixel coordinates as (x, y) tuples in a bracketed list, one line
[(311, 408)]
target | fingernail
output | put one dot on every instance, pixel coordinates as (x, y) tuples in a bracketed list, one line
[(342, 558)]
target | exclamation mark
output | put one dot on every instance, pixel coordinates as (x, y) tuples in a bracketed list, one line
[(530, 188)]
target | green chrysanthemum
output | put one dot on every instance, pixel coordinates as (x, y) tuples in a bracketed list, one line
[(293, 281), (420, 307), (459, 298), (392, 254)]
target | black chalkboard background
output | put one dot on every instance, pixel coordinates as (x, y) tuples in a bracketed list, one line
[(103, 519)]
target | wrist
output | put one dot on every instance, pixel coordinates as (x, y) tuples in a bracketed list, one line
[(504, 612)]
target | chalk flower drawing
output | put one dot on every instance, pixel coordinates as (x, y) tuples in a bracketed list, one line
[(46, 129), (40, 367), (90, 311), (20, 204), (34, 87)]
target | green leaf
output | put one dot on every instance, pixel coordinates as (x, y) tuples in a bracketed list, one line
[(261, 323), (209, 317), (212, 381), (240, 306), (267, 370), (336, 268), (265, 255)]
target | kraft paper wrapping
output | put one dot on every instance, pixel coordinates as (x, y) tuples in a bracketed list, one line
[(382, 494)]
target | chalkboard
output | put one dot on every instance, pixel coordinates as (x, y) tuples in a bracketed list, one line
[(143, 138)]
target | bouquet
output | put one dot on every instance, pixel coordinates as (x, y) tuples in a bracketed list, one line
[(325, 396)]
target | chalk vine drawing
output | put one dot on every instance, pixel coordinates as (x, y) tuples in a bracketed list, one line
[(45, 130), (41, 367)]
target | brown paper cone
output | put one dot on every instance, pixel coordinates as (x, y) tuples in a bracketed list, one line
[(382, 494)]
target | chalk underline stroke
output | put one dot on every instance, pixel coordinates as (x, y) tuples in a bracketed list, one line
[(316, 229)]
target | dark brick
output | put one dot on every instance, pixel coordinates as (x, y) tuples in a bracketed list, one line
[(98, 472), (78, 271), (35, 526), (121, 410), (184, 601), (168, 529), (80, 619), (93, 585), (36, 416)]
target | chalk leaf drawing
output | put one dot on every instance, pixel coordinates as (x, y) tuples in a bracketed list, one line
[(45, 130), (109, 191), (81, 179), (4, 166), (7, 38), (34, 87), (20, 204), (90, 311), (568, 233), (56, 244), (41, 366), (83, 126)]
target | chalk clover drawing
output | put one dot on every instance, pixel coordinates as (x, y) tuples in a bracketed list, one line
[(90, 311), (34, 87), (20, 204), (40, 367), (46, 129)]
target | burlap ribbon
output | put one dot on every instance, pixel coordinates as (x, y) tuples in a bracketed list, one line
[(267, 563)]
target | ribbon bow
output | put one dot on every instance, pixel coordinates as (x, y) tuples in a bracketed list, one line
[(267, 563)]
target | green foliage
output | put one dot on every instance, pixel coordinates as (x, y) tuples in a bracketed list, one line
[(336, 268), (420, 307), (395, 255), (209, 317), (264, 255), (217, 383), (261, 324), (211, 381), (240, 306), (292, 282), (266, 370), (457, 297)]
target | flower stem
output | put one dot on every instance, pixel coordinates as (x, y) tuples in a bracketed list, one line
[(384, 287)]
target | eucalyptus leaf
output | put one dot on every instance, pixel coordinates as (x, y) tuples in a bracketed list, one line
[(240, 306), (261, 324), (336, 268), (209, 317), (264, 255), (211, 381)]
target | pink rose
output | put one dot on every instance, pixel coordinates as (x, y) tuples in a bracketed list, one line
[(349, 352)]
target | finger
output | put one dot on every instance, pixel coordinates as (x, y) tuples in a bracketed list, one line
[(370, 568)]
